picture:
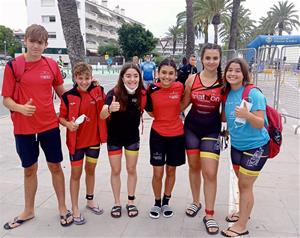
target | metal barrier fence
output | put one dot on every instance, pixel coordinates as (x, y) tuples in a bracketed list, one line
[(277, 73)]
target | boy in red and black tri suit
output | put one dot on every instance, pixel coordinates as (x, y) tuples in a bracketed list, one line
[(83, 137)]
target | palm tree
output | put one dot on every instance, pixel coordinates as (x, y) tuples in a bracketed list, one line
[(246, 28), (234, 25), (71, 29), (190, 39), (210, 11), (285, 16), (181, 22), (201, 18), (175, 33)]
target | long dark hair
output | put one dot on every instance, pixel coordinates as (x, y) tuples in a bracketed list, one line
[(120, 90), (211, 46), (244, 68)]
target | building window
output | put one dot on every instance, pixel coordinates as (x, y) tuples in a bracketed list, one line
[(47, 3), (46, 19), (51, 35)]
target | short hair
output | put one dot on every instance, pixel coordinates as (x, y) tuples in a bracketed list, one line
[(82, 68), (36, 32)]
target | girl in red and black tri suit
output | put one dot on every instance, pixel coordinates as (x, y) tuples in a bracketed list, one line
[(166, 136), (123, 108), (202, 128)]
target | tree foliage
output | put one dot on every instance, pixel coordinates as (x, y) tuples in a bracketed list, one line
[(112, 49), (12, 44), (135, 40)]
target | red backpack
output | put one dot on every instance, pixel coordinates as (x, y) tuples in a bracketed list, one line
[(274, 126)]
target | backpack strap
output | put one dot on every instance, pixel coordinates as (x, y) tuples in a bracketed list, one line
[(17, 66), (246, 91)]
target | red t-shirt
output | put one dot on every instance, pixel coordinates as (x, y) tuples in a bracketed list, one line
[(164, 103), (36, 83), (87, 133)]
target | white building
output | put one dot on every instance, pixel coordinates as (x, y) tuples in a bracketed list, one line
[(98, 23)]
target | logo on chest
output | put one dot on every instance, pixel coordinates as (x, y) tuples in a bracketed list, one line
[(174, 95), (45, 75), (204, 97)]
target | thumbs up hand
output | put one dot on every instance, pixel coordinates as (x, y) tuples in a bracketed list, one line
[(242, 112), (114, 106), (28, 109)]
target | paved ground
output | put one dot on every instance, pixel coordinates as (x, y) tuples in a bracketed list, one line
[(275, 213)]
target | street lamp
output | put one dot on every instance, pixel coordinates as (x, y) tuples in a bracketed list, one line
[(4, 49)]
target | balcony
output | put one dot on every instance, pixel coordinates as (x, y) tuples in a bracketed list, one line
[(91, 16)]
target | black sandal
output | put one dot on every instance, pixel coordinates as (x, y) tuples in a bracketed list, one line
[(209, 224), (192, 210), (64, 219), (132, 210), (116, 211)]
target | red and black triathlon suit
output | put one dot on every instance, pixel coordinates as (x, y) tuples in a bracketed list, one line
[(203, 123)]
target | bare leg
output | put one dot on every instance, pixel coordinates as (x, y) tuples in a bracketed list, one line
[(170, 179), (90, 181), (115, 164), (58, 181), (195, 178), (158, 173), (131, 161), (245, 184), (74, 188)]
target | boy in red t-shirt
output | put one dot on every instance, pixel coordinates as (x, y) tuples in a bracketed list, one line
[(29, 98), (80, 113)]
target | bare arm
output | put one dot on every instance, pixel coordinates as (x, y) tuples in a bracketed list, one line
[(27, 109), (59, 90), (187, 93), (223, 117)]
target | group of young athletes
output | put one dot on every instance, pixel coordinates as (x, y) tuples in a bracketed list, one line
[(93, 117)]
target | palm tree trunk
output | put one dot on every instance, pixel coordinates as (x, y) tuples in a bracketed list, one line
[(190, 42), (234, 25), (71, 29), (216, 34), (206, 31), (174, 47)]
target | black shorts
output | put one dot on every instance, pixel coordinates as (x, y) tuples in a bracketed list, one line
[(249, 162), (207, 145), (117, 149), (166, 150), (28, 147), (91, 155)]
